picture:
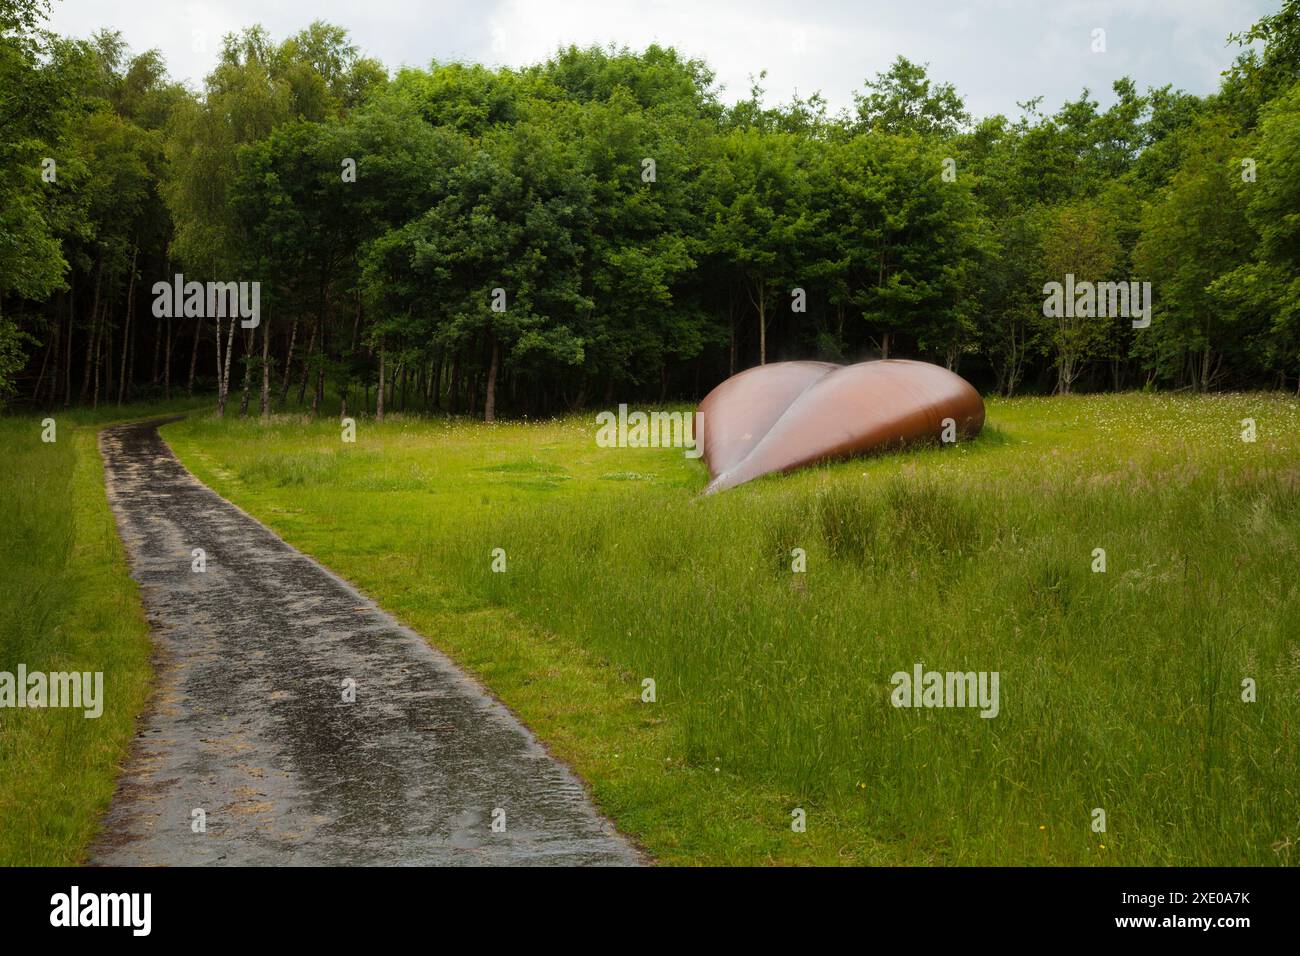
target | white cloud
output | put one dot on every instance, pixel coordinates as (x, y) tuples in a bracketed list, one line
[(997, 52)]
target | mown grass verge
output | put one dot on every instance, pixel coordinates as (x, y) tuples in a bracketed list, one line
[(67, 603)]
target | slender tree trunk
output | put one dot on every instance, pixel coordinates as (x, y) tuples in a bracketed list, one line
[(435, 383), (221, 397), (221, 400), (266, 367), (50, 346), (249, 337), (306, 364), (453, 391), (157, 354), (167, 362), (131, 362), (107, 337), (194, 355), (99, 350), (323, 321), (356, 321), (224, 372), (379, 393), (318, 398), (126, 329), (490, 400), (158, 335), (230, 349), (288, 362), (1066, 376), (67, 365), (57, 368), (94, 331)]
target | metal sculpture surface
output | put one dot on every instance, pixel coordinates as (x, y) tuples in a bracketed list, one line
[(787, 415)]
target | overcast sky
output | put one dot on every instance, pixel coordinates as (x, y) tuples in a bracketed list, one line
[(997, 52)]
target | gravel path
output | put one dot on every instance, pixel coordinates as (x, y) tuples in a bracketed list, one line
[(249, 722)]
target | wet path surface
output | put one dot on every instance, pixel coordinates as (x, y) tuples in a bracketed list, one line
[(249, 722)]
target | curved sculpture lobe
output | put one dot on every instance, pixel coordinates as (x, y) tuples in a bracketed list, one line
[(739, 412), (839, 412)]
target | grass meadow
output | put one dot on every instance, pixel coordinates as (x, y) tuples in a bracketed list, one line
[(66, 604), (1120, 690)]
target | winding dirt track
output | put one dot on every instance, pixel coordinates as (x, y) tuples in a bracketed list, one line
[(249, 722)]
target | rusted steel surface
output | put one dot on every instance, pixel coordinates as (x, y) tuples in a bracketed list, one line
[(787, 415)]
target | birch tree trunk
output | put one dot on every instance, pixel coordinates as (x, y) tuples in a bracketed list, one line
[(288, 362)]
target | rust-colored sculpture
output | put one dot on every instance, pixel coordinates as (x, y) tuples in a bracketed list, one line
[(790, 414)]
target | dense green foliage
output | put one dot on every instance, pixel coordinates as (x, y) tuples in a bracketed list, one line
[(646, 238)]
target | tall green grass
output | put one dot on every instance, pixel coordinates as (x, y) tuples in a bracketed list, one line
[(66, 604), (1119, 690)]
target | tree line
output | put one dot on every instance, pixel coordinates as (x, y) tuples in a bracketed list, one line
[(602, 226)]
